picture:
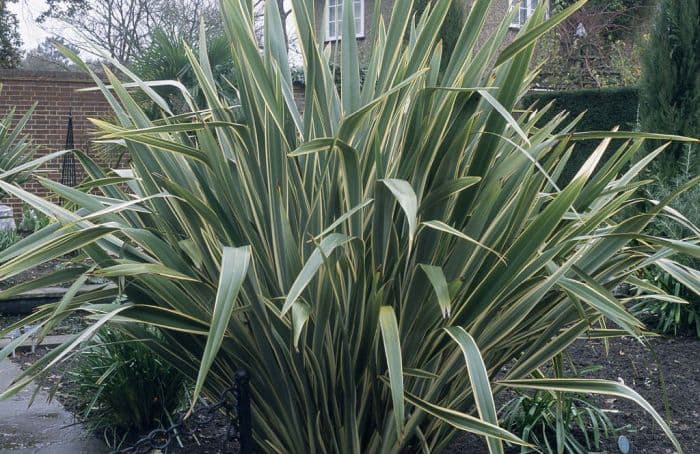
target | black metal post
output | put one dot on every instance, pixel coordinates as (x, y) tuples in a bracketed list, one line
[(245, 420), (68, 166)]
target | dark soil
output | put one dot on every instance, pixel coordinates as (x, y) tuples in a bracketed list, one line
[(36, 272), (666, 373), (73, 324)]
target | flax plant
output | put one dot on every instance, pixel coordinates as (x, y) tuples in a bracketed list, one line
[(383, 263)]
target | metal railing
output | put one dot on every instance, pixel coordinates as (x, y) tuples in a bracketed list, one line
[(234, 401)]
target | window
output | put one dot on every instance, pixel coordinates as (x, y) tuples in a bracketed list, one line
[(335, 19), (525, 10)]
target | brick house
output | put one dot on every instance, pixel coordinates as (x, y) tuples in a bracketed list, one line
[(329, 17)]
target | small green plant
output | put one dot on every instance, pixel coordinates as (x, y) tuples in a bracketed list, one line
[(7, 238), (121, 388), (32, 220), (15, 148), (557, 422), (669, 315), (681, 312)]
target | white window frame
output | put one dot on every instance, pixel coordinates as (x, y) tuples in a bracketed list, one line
[(359, 31), (529, 6)]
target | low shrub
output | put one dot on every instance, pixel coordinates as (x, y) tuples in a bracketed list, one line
[(555, 421), (32, 220), (121, 388), (681, 315), (675, 316)]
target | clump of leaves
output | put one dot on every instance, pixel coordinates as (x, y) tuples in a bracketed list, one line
[(32, 219), (121, 388), (557, 422), (8, 237), (677, 312), (15, 148)]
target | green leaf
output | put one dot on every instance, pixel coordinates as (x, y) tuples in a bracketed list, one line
[(408, 201), (327, 245), (133, 269), (689, 277), (392, 349), (439, 283), (601, 299), (442, 227), (479, 380), (234, 267), (465, 422), (505, 114), (300, 315)]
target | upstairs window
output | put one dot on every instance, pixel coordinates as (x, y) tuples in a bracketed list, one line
[(525, 9), (335, 19)]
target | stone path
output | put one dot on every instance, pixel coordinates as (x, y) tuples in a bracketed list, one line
[(43, 428)]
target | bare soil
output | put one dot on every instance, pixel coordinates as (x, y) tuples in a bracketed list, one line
[(38, 271)]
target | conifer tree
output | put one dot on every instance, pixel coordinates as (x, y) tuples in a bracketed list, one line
[(10, 42), (670, 87)]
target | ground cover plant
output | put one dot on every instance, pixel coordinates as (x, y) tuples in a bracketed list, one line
[(557, 422), (121, 389), (679, 314), (373, 263)]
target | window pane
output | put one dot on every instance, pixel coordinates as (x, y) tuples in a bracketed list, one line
[(331, 30)]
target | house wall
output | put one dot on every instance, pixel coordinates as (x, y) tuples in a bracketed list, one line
[(55, 95), (499, 9), (364, 43)]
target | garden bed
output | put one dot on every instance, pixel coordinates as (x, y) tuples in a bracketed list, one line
[(667, 374)]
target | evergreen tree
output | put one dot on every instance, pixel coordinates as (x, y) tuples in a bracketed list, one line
[(10, 42), (670, 87)]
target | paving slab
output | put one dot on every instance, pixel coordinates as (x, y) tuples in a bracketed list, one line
[(42, 428), (47, 341)]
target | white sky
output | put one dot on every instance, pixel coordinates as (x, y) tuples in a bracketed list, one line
[(34, 34), (26, 11)]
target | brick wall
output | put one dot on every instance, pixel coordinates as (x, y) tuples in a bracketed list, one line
[(55, 95)]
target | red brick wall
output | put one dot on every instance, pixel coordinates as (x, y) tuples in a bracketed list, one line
[(55, 95)]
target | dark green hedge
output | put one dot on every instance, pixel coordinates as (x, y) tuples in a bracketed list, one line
[(605, 109)]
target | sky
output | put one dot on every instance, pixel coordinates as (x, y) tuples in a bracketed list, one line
[(32, 34)]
